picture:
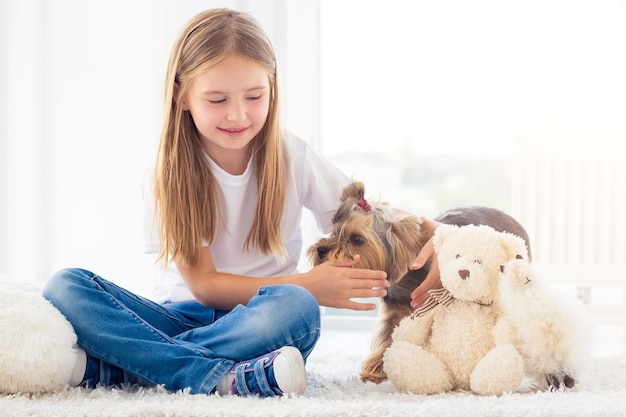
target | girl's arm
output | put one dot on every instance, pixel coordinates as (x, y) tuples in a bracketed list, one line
[(332, 285)]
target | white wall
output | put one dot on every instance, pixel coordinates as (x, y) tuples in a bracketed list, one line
[(80, 114)]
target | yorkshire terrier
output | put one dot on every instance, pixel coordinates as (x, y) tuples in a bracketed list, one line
[(389, 239)]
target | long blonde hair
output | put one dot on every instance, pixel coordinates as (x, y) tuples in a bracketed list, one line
[(185, 191)]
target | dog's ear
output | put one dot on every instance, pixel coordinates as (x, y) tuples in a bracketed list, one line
[(406, 238)]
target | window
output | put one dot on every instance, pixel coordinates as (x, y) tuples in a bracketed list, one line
[(425, 101)]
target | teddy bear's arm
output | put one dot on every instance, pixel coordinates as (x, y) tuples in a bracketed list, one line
[(504, 332), (415, 329)]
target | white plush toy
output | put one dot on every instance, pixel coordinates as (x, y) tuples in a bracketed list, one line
[(37, 343), (454, 342), (553, 330)]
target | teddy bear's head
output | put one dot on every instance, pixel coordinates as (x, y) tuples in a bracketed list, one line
[(517, 278), (470, 258)]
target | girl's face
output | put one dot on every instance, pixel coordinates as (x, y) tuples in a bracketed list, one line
[(229, 105)]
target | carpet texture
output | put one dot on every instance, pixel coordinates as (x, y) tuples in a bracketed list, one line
[(333, 389)]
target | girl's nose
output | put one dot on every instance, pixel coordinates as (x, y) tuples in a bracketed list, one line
[(236, 111)]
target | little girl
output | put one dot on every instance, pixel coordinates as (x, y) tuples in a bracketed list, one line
[(234, 315)]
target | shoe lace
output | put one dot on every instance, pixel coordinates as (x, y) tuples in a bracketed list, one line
[(260, 377)]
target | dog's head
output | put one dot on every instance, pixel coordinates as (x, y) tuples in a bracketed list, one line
[(386, 238)]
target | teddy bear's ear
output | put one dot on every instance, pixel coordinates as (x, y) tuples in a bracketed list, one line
[(514, 246), (441, 234)]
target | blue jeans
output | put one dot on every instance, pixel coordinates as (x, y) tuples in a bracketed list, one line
[(130, 339)]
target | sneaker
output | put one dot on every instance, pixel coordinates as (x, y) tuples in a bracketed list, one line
[(277, 373)]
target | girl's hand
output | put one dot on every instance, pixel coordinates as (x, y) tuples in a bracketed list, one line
[(432, 281), (336, 285)]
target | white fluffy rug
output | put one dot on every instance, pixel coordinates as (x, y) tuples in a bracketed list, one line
[(334, 390)]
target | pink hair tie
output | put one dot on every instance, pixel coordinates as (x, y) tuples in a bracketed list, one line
[(364, 205)]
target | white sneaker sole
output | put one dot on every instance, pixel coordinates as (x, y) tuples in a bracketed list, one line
[(289, 371)]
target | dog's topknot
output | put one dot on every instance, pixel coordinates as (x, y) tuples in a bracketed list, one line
[(352, 195), (355, 191)]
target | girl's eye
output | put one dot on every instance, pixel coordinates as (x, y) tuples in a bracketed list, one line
[(217, 101), (254, 98)]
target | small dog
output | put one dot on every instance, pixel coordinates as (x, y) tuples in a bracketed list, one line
[(389, 239)]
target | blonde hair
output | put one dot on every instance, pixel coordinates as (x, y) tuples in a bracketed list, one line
[(185, 191)]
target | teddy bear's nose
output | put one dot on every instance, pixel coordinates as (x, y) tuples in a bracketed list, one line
[(464, 273)]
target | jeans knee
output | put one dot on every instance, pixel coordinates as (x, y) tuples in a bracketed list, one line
[(297, 304), (58, 288), (308, 306), (300, 312)]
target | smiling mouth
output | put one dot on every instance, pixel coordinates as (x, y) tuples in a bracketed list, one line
[(234, 131)]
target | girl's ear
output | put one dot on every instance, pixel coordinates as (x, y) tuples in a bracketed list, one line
[(182, 102)]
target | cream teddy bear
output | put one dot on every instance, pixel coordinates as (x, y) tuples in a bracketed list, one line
[(455, 341), (38, 344), (552, 330)]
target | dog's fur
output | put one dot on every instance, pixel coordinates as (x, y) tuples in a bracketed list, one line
[(389, 239)]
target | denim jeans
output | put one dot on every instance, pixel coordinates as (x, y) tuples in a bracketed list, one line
[(130, 339)]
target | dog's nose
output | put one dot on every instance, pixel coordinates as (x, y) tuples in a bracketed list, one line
[(322, 251), (464, 274)]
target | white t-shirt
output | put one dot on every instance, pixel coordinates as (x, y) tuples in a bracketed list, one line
[(312, 182)]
